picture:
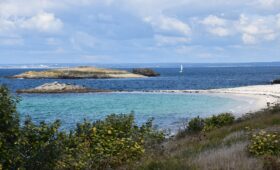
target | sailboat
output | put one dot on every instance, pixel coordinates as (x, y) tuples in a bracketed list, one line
[(181, 70)]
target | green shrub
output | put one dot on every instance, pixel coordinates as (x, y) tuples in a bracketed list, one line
[(40, 146), (218, 121), (109, 143), (104, 144), (196, 124), (265, 143), (9, 129), (199, 124)]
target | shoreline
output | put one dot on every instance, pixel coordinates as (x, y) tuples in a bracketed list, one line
[(252, 98), (255, 98)]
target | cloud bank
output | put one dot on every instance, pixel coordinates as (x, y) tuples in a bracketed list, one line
[(140, 30)]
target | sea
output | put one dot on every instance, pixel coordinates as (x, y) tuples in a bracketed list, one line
[(169, 111)]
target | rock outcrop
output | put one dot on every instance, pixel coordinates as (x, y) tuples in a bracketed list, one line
[(56, 87), (277, 81), (145, 72), (78, 73)]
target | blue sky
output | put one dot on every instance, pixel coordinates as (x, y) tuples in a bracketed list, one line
[(139, 31)]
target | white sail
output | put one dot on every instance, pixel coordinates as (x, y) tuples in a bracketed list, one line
[(181, 71)]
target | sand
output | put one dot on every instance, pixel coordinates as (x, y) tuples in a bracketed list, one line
[(254, 98)]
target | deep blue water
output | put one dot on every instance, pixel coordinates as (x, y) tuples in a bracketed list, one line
[(192, 78), (167, 109)]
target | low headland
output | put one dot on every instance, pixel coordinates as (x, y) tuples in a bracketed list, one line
[(78, 73), (56, 87)]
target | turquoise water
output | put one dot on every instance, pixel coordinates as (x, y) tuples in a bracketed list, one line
[(169, 110)]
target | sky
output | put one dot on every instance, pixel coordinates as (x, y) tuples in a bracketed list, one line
[(139, 31)]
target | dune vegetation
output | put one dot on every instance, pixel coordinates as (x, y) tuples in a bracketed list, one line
[(249, 142), (117, 142)]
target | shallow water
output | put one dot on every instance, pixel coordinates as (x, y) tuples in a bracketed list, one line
[(169, 110)]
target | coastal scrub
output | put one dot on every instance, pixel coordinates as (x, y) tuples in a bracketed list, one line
[(104, 144), (265, 143)]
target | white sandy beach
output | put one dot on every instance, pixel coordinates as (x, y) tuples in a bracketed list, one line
[(254, 97)]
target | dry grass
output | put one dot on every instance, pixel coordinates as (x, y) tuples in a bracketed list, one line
[(223, 148), (235, 136), (227, 158)]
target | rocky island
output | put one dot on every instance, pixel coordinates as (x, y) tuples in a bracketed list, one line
[(56, 87), (78, 73), (145, 72)]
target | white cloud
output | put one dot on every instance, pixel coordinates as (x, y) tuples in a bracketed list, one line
[(168, 24), (11, 41), (170, 40), (249, 39), (44, 22), (278, 20), (252, 29), (6, 25), (213, 20), (255, 29), (217, 26), (219, 31), (82, 39), (20, 8), (272, 4)]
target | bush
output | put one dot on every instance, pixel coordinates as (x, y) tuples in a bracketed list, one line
[(40, 146), (218, 121), (9, 129), (265, 143), (108, 143), (104, 144), (196, 124)]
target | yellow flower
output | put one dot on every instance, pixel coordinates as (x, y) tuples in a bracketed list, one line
[(109, 132), (94, 129), (137, 146)]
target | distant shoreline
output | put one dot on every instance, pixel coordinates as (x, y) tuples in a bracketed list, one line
[(139, 65)]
